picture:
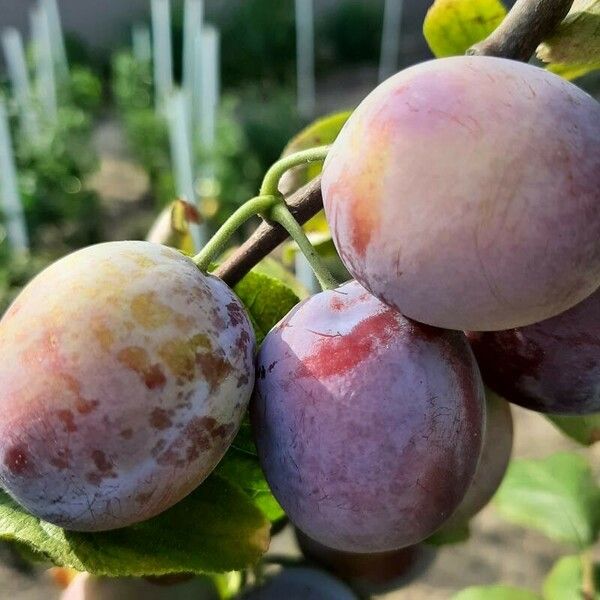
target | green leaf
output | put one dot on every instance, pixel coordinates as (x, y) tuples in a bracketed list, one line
[(584, 429), (243, 468), (565, 580), (495, 592), (240, 465), (556, 495), (451, 27), (214, 529), (320, 133), (266, 299), (574, 48)]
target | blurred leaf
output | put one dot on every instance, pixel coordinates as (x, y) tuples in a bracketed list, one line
[(172, 226), (460, 533), (495, 592), (269, 266), (584, 429), (266, 299), (574, 48), (453, 26), (215, 528), (565, 580), (320, 133), (556, 495)]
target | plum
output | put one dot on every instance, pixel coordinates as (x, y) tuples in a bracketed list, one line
[(124, 375), (552, 366), (465, 192), (495, 456), (300, 583), (373, 573), (368, 425)]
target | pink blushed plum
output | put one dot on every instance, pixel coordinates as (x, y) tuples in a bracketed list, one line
[(124, 376), (465, 192), (368, 425)]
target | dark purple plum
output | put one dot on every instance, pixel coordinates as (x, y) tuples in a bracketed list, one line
[(373, 573), (495, 456), (368, 425), (552, 366), (300, 583)]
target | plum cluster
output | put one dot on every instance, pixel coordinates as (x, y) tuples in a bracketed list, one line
[(463, 197)]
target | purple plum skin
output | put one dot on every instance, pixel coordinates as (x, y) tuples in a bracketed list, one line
[(375, 573), (550, 367), (465, 192), (124, 375), (368, 425)]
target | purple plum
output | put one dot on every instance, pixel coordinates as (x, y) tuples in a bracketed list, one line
[(552, 366), (368, 425)]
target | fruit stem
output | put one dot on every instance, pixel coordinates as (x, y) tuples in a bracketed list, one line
[(270, 184), (282, 215), (588, 587), (216, 245)]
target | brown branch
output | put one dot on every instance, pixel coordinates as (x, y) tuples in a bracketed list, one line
[(303, 204), (525, 26)]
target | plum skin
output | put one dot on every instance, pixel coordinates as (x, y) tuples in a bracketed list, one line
[(124, 375), (465, 192), (368, 425), (550, 367), (495, 456), (377, 572)]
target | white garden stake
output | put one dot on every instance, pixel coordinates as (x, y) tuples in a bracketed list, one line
[(193, 18), (16, 63), (9, 192), (44, 67), (142, 44), (305, 57), (390, 38), (163, 54), (209, 83), (59, 52), (181, 156)]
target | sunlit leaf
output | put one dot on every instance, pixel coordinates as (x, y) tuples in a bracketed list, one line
[(451, 27), (556, 495)]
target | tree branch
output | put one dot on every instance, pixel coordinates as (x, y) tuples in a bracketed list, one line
[(303, 204), (526, 25), (517, 37)]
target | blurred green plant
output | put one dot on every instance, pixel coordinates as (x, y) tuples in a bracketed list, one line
[(353, 30), (146, 131), (61, 212), (236, 166), (264, 51)]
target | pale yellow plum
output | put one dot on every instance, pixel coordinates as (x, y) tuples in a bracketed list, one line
[(465, 192), (124, 376)]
